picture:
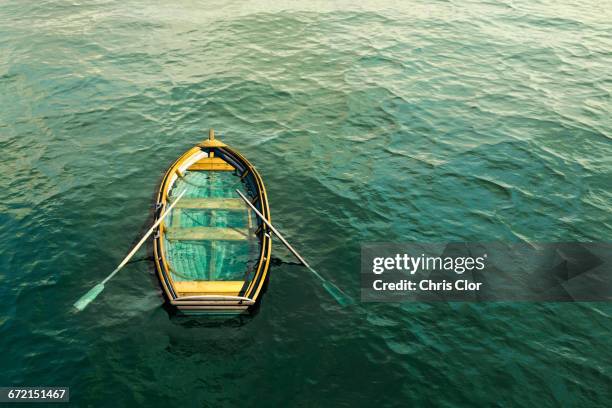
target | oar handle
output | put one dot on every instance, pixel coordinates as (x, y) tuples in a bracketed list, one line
[(274, 230)]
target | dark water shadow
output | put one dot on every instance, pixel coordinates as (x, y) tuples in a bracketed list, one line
[(141, 259), (279, 262)]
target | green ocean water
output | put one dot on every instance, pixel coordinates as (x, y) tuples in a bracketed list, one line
[(426, 121)]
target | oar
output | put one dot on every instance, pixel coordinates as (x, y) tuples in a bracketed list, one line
[(342, 298), (88, 297)]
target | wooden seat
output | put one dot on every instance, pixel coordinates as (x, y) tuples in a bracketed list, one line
[(211, 164), (191, 288), (212, 203), (207, 234)]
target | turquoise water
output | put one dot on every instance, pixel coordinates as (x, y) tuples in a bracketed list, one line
[(369, 121)]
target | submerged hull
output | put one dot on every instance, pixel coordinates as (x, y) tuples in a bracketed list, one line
[(212, 253)]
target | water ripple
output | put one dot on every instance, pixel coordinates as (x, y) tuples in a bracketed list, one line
[(370, 121)]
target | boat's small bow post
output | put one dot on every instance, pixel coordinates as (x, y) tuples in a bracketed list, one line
[(211, 141)]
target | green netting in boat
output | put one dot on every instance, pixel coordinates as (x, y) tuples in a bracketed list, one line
[(210, 233)]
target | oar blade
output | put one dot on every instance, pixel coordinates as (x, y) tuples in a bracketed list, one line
[(342, 298), (87, 298)]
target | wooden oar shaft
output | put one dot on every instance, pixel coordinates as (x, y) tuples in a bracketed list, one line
[(93, 293), (332, 289), (274, 230), (144, 238)]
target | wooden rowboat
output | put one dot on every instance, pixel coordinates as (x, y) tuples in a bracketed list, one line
[(212, 253)]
